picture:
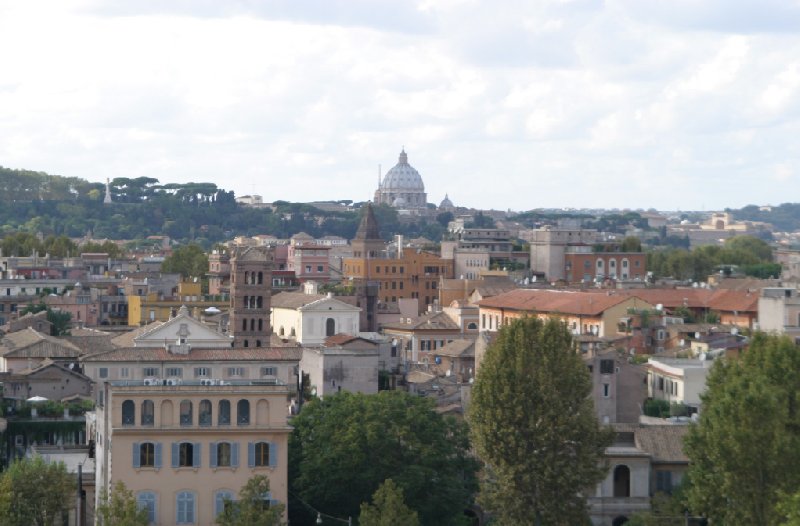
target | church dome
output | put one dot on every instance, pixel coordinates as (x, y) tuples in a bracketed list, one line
[(403, 177), (446, 202)]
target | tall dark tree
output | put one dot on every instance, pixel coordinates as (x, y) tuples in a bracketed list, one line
[(534, 425), (745, 451), (345, 446)]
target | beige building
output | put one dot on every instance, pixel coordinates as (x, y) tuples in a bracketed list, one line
[(309, 319), (183, 449)]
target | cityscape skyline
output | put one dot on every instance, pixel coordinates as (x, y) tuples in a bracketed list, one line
[(569, 104)]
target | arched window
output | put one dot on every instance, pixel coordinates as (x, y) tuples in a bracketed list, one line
[(145, 454), (260, 325), (281, 332), (128, 413), (622, 481), (146, 500), (185, 455), (222, 498), (224, 417), (148, 413), (330, 327), (186, 413), (472, 326), (225, 454), (185, 508), (204, 413), (246, 343), (260, 454), (243, 412)]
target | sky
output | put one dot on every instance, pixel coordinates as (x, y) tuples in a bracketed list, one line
[(504, 104)]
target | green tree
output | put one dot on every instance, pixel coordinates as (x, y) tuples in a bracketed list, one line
[(59, 321), (534, 425), (344, 446), (388, 508), (631, 244), (33, 492), (252, 508), (120, 508), (745, 450), (189, 261)]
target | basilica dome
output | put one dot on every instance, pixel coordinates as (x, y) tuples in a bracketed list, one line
[(402, 177)]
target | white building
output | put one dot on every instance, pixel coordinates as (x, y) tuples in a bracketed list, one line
[(677, 380), (309, 319)]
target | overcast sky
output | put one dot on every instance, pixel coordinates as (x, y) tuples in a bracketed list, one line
[(685, 104)]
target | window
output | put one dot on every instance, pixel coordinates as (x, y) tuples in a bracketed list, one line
[(148, 412), (128, 413), (330, 327), (622, 481), (202, 372), (184, 508), (146, 500), (319, 268), (308, 269), (149, 371), (222, 498), (204, 413), (606, 390), (102, 372), (261, 454), (664, 481), (186, 413), (269, 371), (243, 413), (235, 371), (606, 366), (185, 454), (224, 417), (146, 455), (225, 454), (124, 372), (174, 371)]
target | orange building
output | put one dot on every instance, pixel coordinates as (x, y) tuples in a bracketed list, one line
[(415, 274)]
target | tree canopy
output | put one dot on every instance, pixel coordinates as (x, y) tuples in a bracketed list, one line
[(388, 508), (745, 450), (345, 446), (120, 508), (252, 508), (190, 261), (35, 493), (534, 425)]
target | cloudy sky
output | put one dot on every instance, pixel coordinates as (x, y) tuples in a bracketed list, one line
[(686, 104)]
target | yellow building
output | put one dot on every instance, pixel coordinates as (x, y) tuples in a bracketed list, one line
[(186, 447), (153, 307)]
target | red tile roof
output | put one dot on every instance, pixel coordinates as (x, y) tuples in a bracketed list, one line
[(566, 302), (145, 354)]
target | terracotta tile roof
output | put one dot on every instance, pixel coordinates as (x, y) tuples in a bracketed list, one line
[(142, 354), (344, 339), (293, 300), (721, 300), (126, 339), (430, 321), (566, 302), (34, 344), (663, 443), (458, 349)]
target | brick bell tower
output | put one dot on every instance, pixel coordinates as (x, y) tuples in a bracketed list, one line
[(251, 291)]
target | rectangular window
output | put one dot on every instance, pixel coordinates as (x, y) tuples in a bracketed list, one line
[(102, 372), (235, 371), (319, 268), (664, 481), (606, 366), (401, 285), (269, 371), (174, 371), (606, 390), (202, 372), (308, 269), (124, 372), (149, 371)]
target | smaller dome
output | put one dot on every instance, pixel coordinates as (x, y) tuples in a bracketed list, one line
[(446, 202)]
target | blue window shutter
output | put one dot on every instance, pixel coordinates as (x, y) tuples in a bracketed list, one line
[(213, 451), (196, 455), (235, 455), (273, 454), (136, 455), (158, 455), (190, 515), (219, 503), (175, 454), (251, 455)]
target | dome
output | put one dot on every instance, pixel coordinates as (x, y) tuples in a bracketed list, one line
[(446, 202), (403, 176)]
